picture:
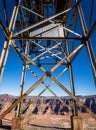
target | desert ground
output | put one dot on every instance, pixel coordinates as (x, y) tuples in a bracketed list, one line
[(47, 113), (49, 122)]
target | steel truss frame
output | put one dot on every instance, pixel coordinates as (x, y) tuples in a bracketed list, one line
[(59, 51)]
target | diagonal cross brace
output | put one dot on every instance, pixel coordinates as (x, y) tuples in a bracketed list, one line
[(23, 96), (66, 90), (47, 50), (48, 19), (45, 20), (40, 80), (57, 65), (69, 93), (48, 86)]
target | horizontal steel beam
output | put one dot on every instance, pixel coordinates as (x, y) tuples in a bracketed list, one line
[(47, 38)]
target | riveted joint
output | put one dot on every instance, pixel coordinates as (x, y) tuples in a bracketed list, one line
[(48, 73), (39, 65), (68, 64)]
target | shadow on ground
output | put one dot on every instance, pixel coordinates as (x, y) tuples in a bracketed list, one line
[(6, 127), (40, 127)]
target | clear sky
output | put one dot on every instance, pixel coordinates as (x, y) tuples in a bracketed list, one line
[(83, 78)]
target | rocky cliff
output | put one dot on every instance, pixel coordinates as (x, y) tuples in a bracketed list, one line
[(48, 105)]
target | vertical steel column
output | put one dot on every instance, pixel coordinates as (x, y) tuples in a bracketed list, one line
[(74, 111), (22, 80), (88, 43), (5, 50)]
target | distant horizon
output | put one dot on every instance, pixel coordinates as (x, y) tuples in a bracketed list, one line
[(48, 95)]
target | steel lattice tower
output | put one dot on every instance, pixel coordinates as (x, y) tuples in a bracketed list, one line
[(45, 32)]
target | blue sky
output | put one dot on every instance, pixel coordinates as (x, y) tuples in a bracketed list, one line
[(83, 78)]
